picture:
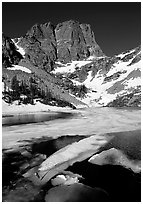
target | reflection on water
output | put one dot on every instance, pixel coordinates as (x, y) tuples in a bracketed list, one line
[(32, 118)]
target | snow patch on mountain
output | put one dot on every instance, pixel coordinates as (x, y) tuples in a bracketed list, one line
[(17, 67), (95, 57), (105, 90), (19, 49), (70, 67), (123, 76), (132, 82), (126, 53)]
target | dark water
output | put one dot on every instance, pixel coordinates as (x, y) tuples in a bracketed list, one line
[(33, 118), (128, 142), (121, 184)]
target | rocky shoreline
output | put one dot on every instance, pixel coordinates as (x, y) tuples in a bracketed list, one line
[(98, 182)]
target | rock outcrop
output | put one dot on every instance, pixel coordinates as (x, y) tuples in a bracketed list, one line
[(91, 44), (76, 193), (45, 43), (40, 46), (115, 156), (10, 55), (75, 41)]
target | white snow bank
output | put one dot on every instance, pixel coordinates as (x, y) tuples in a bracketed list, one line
[(23, 109), (5, 88), (2, 86), (95, 57), (125, 53), (132, 82), (70, 67), (17, 67)]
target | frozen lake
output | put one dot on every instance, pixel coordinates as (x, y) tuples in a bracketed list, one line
[(19, 128), (80, 134)]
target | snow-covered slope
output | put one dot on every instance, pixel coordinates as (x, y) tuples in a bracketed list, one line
[(107, 78), (70, 67), (19, 49)]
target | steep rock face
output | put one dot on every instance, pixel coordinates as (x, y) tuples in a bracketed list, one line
[(44, 44), (75, 41), (91, 44), (70, 41), (40, 46), (10, 55)]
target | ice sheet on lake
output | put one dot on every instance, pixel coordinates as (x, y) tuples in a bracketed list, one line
[(74, 150)]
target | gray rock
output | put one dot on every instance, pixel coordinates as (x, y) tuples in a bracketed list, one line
[(75, 41), (40, 46), (10, 55), (114, 156), (76, 193)]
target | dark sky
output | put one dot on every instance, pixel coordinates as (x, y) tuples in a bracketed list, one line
[(117, 25)]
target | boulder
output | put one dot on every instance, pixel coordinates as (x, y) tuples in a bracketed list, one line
[(115, 156), (66, 178), (76, 193)]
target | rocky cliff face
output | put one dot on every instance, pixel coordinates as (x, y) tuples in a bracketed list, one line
[(45, 43), (10, 55), (75, 41), (91, 44), (39, 44)]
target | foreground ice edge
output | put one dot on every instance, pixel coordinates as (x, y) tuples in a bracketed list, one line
[(72, 151)]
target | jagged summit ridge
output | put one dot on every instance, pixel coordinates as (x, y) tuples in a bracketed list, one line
[(75, 41), (45, 43)]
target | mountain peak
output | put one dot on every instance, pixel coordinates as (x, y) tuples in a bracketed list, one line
[(70, 40), (75, 41)]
